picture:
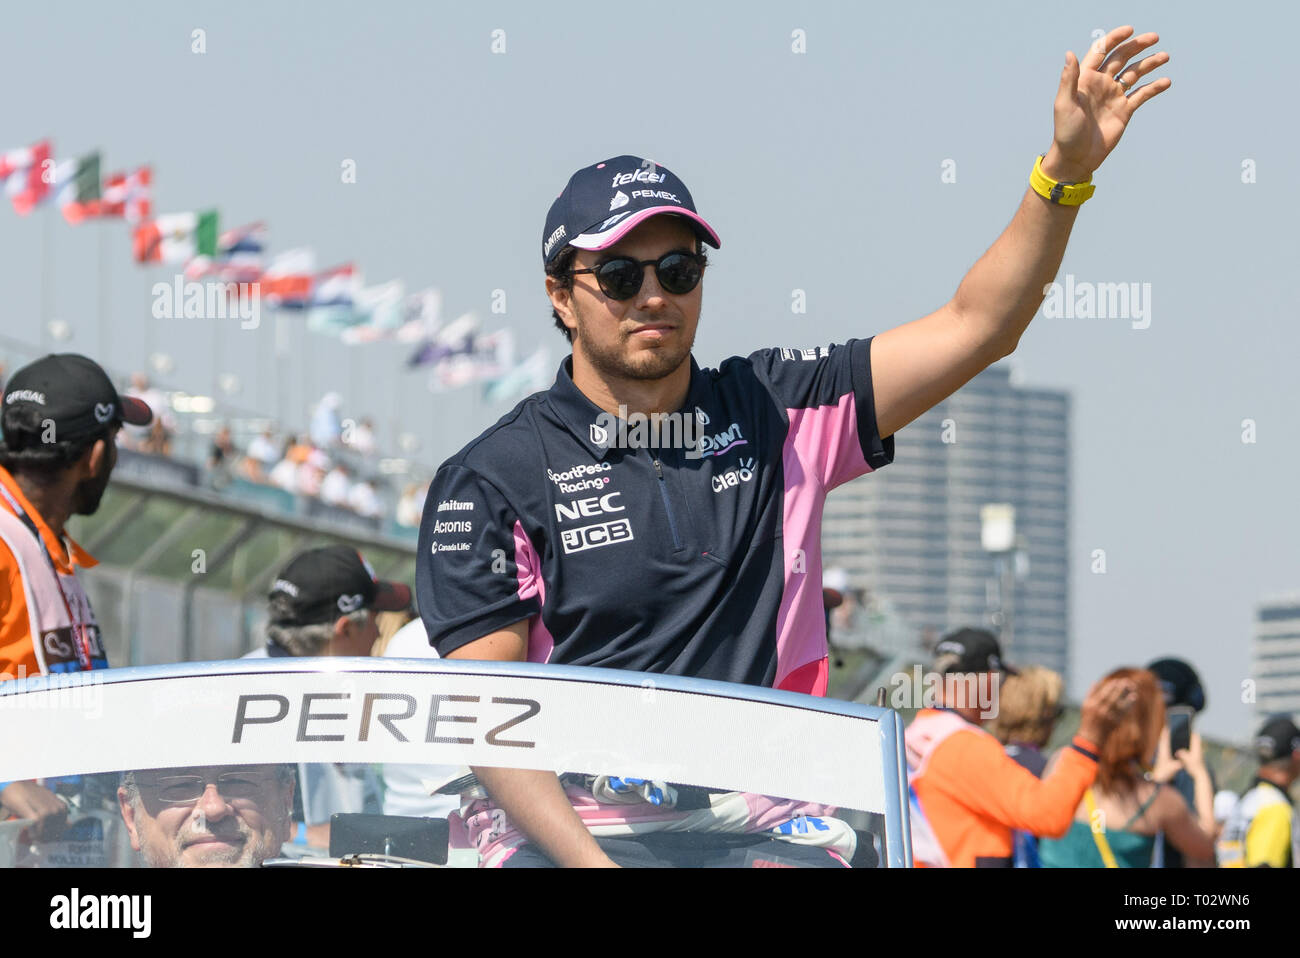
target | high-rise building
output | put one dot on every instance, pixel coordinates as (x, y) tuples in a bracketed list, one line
[(1276, 658), (911, 534)]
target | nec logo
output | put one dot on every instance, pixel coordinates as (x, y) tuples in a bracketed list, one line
[(588, 508), (595, 536), (638, 176)]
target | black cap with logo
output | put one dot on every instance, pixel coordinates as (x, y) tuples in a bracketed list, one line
[(602, 202), (1179, 683), (74, 393), (1278, 739), (970, 650), (323, 584)]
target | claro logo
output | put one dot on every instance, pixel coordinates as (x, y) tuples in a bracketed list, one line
[(344, 717)]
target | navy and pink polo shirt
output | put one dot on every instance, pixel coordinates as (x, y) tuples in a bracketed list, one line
[(700, 557)]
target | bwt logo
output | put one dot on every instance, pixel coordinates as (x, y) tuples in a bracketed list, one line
[(595, 536)]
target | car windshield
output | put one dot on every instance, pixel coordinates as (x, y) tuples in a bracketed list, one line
[(382, 763)]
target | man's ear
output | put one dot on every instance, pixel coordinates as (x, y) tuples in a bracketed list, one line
[(92, 460), (341, 631), (562, 300), (128, 817)]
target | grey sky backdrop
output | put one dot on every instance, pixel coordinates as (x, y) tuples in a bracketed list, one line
[(821, 171)]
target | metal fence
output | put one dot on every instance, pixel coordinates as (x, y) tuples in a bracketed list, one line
[(184, 572)]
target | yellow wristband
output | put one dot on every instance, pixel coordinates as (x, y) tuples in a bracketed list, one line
[(1064, 194)]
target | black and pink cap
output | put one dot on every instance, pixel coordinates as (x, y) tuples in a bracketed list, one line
[(601, 203)]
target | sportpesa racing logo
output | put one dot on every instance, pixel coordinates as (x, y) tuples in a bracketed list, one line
[(571, 480)]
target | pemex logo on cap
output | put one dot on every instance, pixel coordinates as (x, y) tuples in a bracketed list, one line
[(620, 199)]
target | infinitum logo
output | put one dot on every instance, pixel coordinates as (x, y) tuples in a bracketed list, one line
[(75, 911)]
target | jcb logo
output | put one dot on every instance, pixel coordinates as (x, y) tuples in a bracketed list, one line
[(588, 508), (594, 536)]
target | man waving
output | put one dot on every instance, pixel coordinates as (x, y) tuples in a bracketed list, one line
[(647, 514)]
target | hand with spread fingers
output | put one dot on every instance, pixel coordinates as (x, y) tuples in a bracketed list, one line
[(1107, 703), (1096, 99)]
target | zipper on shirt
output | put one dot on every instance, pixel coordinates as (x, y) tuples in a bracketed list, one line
[(668, 507)]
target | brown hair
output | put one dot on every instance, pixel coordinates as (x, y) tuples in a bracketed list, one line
[(1028, 706), (1132, 742)]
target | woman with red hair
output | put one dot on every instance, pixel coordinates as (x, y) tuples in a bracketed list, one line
[(1127, 792)]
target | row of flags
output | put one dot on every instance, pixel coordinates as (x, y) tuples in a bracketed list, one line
[(32, 177), (334, 301)]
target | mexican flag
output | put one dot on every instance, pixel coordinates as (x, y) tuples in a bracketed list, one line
[(176, 237), (78, 182)]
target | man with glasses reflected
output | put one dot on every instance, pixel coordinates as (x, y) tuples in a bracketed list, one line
[(232, 816)]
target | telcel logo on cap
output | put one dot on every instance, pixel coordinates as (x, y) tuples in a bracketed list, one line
[(643, 175)]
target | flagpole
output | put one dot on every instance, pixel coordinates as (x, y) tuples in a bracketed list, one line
[(47, 278), (216, 357), (349, 357), (282, 373), (103, 292), (395, 418)]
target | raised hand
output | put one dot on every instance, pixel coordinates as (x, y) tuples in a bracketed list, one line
[(1097, 98), (1105, 707)]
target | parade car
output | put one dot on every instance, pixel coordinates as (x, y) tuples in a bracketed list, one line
[(370, 763)]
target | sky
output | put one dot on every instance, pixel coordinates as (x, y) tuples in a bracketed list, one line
[(870, 170)]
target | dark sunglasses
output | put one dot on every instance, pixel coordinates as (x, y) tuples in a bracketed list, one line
[(620, 278)]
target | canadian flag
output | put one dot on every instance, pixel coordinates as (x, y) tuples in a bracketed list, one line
[(27, 173)]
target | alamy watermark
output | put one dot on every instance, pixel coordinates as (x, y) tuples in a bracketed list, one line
[(919, 689), (1080, 299), (191, 300), (62, 691), (669, 430)]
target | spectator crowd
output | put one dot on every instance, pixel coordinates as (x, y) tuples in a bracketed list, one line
[(333, 460), (1131, 789)]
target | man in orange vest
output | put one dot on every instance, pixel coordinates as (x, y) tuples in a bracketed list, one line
[(967, 795), (60, 418)]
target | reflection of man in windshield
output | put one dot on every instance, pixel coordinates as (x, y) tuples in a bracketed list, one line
[(231, 816), (323, 603)]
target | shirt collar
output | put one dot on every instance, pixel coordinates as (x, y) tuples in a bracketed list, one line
[(580, 415), (76, 555), (1263, 781)]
